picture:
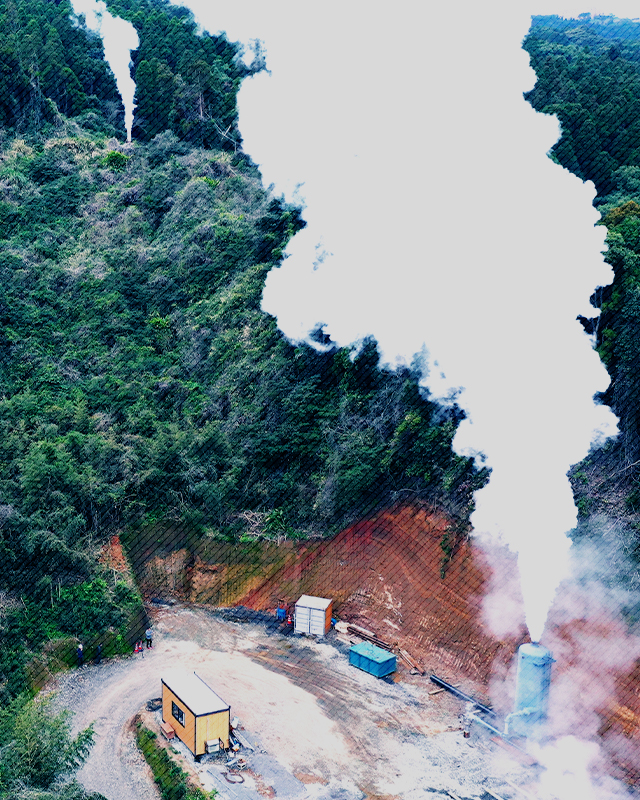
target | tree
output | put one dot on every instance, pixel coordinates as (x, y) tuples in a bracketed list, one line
[(154, 95), (38, 751)]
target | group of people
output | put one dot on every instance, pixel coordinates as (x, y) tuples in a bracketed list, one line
[(148, 634)]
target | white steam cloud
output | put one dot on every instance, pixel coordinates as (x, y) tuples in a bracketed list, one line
[(595, 656), (569, 766), (119, 38), (437, 224), (436, 220)]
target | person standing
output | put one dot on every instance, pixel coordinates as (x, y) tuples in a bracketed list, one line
[(149, 636), (80, 654), (98, 654)]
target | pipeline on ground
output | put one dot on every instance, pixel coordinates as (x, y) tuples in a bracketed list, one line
[(461, 695)]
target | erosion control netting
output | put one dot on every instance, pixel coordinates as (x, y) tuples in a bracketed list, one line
[(162, 441)]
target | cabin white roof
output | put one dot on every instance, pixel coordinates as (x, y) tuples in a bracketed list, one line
[(196, 695), (307, 601)]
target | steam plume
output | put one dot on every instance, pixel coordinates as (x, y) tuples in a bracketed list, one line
[(436, 220), (119, 38), (445, 225)]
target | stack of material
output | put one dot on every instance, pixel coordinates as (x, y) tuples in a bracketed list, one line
[(355, 630), (409, 661), (369, 636)]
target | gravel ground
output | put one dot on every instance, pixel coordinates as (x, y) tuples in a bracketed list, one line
[(321, 728), (109, 695)]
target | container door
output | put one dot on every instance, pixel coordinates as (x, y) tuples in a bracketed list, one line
[(302, 620), (316, 622)]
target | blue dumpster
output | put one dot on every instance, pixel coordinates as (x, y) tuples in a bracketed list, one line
[(372, 659)]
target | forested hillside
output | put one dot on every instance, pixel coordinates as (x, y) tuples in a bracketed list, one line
[(142, 389), (589, 75), (50, 66), (184, 82)]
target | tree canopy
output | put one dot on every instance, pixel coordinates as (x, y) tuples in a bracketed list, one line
[(588, 72), (185, 82), (143, 390), (39, 756), (50, 64)]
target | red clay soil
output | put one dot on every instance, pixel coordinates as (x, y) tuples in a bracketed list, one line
[(596, 679), (628, 693), (624, 727), (112, 556), (383, 573), (620, 728)]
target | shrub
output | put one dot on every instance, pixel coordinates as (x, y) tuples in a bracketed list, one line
[(172, 780), (115, 161)]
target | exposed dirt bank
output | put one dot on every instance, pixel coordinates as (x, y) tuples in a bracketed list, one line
[(384, 573)]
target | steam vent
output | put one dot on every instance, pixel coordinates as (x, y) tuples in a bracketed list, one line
[(532, 689)]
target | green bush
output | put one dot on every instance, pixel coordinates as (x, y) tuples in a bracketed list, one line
[(172, 780), (115, 160), (38, 748)]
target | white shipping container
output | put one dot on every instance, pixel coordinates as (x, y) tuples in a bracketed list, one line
[(303, 620), (316, 622), (313, 615)]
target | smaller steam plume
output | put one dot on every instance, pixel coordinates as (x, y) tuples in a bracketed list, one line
[(569, 765), (119, 38), (590, 741)]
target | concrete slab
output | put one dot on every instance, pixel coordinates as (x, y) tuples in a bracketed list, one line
[(231, 791), (273, 773)]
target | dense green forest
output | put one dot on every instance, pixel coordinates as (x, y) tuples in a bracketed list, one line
[(143, 391), (142, 388), (184, 82), (588, 73), (50, 66)]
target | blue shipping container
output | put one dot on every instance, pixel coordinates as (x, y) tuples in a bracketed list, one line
[(372, 659)]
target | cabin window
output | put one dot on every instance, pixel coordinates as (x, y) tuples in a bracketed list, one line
[(178, 713)]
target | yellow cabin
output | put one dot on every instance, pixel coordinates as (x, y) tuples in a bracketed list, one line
[(195, 712)]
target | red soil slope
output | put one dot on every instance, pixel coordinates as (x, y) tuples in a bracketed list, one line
[(384, 573), (112, 556)]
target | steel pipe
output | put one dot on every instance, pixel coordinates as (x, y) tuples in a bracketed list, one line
[(461, 695)]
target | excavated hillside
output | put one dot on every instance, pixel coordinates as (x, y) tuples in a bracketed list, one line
[(385, 574)]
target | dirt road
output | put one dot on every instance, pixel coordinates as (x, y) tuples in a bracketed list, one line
[(336, 730), (109, 696)]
